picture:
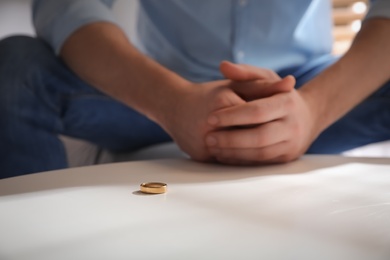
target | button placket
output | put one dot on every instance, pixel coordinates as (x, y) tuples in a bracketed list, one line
[(238, 50), (242, 3)]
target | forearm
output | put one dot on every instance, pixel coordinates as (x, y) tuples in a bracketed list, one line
[(101, 54), (361, 71)]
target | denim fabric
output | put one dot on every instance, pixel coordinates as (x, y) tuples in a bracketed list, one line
[(41, 98)]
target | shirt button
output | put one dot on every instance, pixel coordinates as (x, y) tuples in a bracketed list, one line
[(243, 2), (240, 55)]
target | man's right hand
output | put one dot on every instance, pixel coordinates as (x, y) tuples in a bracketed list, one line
[(186, 119)]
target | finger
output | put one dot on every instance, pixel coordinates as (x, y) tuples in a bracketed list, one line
[(256, 89), (253, 137), (230, 161), (236, 162), (263, 155), (244, 72), (253, 112), (242, 162)]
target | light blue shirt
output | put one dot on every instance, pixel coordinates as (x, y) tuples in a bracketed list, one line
[(191, 37)]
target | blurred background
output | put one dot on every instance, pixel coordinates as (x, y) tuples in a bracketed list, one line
[(15, 18), (347, 16)]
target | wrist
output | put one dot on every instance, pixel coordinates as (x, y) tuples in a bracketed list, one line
[(151, 89), (316, 108), (169, 100)]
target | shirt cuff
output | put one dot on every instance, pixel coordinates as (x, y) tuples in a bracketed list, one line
[(379, 8), (55, 21)]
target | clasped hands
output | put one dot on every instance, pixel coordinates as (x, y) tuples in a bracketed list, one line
[(252, 117)]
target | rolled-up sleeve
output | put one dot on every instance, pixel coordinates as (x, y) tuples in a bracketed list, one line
[(379, 8), (56, 20)]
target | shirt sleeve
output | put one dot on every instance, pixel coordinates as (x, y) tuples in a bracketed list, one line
[(379, 8), (56, 20)]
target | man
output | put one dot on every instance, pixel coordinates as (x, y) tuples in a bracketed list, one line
[(170, 81)]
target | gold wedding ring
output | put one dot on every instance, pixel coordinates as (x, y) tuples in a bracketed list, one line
[(153, 187)]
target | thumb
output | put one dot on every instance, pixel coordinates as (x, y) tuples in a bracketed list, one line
[(284, 85), (244, 72), (259, 89)]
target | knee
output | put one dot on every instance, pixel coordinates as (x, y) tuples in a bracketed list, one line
[(15, 46), (22, 43), (20, 52), (23, 59), (20, 57)]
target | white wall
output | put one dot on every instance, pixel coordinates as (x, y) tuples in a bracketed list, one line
[(15, 17)]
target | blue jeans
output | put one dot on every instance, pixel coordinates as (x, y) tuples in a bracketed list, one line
[(40, 98)]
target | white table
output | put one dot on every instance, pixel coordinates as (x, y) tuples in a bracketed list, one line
[(320, 207)]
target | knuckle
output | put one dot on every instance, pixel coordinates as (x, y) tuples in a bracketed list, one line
[(225, 141), (226, 154), (257, 112), (220, 101), (289, 102), (227, 98), (262, 155), (295, 129), (260, 140), (287, 158), (272, 74), (291, 155)]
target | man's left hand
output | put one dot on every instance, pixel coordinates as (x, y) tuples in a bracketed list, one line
[(268, 129)]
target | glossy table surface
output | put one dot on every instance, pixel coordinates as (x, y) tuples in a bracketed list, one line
[(319, 207)]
